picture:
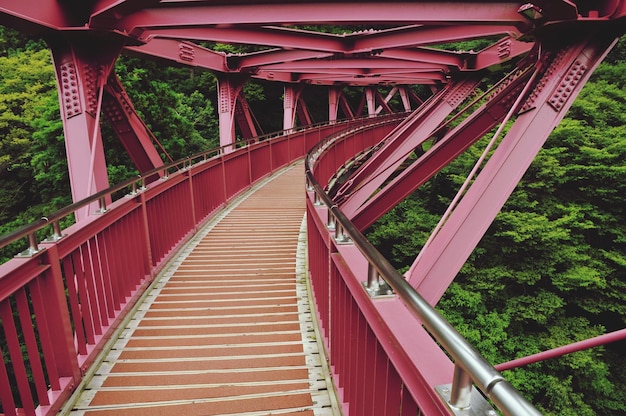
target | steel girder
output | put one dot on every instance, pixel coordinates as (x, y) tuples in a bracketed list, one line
[(397, 53), (81, 76), (130, 128), (562, 70), (539, 101), (397, 146)]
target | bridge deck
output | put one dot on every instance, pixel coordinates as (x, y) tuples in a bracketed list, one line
[(226, 329)]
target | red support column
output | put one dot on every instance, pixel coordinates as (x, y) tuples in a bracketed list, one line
[(333, 103), (290, 103), (81, 72), (227, 92), (561, 74), (370, 97)]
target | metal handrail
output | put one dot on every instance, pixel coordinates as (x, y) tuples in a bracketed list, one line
[(470, 366), (28, 231)]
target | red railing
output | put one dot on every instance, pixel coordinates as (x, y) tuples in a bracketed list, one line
[(386, 343), (61, 303), (389, 349)]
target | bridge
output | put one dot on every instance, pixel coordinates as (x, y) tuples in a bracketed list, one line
[(204, 268)]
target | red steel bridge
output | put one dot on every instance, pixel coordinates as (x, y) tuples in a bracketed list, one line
[(69, 300)]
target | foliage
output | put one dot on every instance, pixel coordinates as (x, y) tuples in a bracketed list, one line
[(33, 170)]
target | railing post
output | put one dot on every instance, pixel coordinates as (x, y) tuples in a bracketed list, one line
[(102, 206), (461, 392), (316, 199), (33, 246), (330, 220), (374, 285), (341, 237)]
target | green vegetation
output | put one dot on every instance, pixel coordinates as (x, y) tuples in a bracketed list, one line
[(551, 269), (177, 104)]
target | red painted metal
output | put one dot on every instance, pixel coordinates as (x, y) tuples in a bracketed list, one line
[(95, 273), (290, 102), (562, 75), (82, 285), (130, 129), (233, 107), (374, 376), (445, 150), (190, 14), (227, 92), (399, 144), (80, 79), (604, 339), (182, 53)]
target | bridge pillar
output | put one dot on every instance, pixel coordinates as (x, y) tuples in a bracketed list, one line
[(227, 91), (333, 103), (370, 97), (233, 108), (82, 67), (290, 105)]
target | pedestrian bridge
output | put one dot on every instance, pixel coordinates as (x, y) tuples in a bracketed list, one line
[(227, 327), (194, 294), (238, 281)]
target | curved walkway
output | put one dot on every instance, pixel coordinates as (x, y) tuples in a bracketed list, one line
[(227, 328)]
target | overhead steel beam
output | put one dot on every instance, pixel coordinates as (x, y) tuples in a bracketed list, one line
[(197, 13), (251, 61), (429, 35), (366, 64), (433, 56), (184, 53), (264, 35)]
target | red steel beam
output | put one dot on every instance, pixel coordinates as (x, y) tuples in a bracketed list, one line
[(429, 35), (265, 35), (195, 13), (399, 144), (129, 127), (561, 73), (181, 52), (448, 148)]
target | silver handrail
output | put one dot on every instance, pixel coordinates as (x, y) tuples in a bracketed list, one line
[(470, 365)]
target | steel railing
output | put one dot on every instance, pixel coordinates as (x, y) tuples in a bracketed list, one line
[(62, 300), (469, 366)]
